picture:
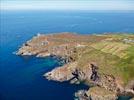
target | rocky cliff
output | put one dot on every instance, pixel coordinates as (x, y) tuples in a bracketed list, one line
[(104, 62)]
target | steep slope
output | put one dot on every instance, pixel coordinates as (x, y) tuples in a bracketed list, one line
[(102, 60)]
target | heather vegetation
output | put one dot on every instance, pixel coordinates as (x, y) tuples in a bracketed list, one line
[(112, 53)]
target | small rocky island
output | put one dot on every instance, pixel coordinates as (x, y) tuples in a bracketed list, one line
[(104, 62)]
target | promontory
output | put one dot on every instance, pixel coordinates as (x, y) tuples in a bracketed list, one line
[(104, 62)]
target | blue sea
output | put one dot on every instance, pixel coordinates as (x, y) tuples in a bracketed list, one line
[(21, 77)]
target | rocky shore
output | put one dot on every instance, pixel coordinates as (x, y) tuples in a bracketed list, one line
[(90, 59)]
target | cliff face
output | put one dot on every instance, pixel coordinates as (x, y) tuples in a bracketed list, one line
[(98, 93), (63, 73), (102, 61)]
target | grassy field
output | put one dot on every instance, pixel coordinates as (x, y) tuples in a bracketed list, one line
[(112, 55)]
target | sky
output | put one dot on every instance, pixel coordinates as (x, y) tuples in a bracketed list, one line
[(67, 4)]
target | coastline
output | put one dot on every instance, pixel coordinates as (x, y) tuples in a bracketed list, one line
[(70, 49)]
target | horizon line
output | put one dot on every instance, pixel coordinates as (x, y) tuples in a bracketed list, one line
[(67, 5)]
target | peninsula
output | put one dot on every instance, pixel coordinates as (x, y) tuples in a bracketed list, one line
[(104, 62)]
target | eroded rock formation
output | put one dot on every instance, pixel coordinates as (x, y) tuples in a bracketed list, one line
[(70, 49)]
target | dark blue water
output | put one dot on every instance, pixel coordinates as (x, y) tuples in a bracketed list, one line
[(21, 77)]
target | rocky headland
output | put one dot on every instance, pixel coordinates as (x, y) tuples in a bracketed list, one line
[(105, 62)]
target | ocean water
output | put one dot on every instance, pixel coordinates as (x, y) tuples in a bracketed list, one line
[(21, 77)]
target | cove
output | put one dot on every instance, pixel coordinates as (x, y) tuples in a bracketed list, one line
[(24, 81)]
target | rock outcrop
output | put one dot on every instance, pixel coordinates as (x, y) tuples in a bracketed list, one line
[(98, 93), (132, 99), (81, 95), (129, 89), (63, 73)]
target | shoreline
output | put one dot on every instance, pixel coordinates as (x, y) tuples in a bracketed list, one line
[(71, 49)]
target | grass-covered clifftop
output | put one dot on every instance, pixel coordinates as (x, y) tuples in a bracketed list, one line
[(113, 54)]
